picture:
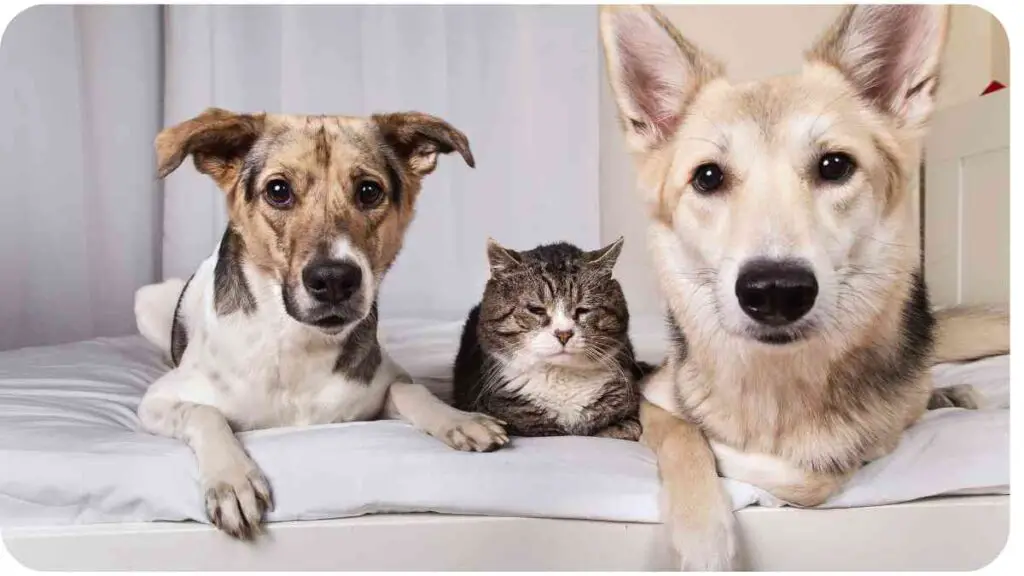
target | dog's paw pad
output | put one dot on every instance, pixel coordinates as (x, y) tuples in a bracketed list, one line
[(236, 503), (475, 432)]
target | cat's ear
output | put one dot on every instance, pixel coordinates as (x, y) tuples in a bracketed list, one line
[(605, 258), (501, 258)]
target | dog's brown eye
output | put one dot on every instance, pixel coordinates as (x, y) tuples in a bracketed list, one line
[(708, 178), (279, 193), (836, 167), (369, 194)]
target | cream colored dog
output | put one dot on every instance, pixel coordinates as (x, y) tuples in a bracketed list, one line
[(783, 232)]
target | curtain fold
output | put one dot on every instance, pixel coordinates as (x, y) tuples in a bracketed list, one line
[(80, 93)]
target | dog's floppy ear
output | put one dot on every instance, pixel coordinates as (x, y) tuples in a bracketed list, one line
[(418, 138), (890, 53), (653, 71), (501, 258), (604, 259), (217, 139)]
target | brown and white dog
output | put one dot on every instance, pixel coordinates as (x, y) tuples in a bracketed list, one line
[(783, 232), (279, 326)]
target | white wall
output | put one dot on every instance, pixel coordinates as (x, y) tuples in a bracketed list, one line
[(757, 42), (977, 53)]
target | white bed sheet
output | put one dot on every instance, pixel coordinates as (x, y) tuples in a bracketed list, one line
[(72, 452)]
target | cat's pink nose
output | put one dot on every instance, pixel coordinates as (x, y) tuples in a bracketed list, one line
[(563, 335)]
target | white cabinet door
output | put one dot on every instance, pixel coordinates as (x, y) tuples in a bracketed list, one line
[(967, 202)]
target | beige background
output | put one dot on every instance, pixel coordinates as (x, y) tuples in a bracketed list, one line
[(757, 42)]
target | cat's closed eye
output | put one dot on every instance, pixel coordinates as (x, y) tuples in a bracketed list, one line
[(537, 310), (579, 312)]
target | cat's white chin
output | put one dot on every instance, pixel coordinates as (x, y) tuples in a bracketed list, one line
[(565, 359)]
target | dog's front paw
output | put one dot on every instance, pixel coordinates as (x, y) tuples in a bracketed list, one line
[(705, 551), (706, 542), (237, 500), (472, 431), (956, 396)]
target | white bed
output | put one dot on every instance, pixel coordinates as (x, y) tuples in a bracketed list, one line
[(79, 472)]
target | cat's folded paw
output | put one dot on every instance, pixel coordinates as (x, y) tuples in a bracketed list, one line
[(472, 431), (627, 429)]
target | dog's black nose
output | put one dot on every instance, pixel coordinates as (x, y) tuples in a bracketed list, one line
[(332, 281), (776, 293)]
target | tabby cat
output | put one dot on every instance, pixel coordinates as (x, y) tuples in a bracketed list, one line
[(547, 350)]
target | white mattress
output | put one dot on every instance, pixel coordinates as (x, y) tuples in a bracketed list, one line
[(71, 449)]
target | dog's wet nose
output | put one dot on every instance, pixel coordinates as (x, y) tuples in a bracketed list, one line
[(776, 293), (332, 281)]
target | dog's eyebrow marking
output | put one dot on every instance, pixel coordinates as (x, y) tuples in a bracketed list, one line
[(721, 147), (721, 133), (252, 167), (820, 114)]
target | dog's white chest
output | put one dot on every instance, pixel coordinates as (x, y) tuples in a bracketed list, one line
[(303, 388), (265, 371), (563, 393)]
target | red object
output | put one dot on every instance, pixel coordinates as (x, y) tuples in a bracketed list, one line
[(993, 87)]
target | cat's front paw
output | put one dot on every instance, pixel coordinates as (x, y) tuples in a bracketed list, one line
[(627, 429), (474, 432)]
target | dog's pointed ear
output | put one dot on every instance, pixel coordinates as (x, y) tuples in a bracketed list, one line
[(217, 140), (891, 54), (418, 138), (500, 258), (604, 259), (653, 70)]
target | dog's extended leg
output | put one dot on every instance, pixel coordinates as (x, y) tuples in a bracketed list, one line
[(469, 431), (956, 396), (236, 493), (695, 505)]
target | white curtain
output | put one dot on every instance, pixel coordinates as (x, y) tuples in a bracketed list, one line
[(80, 93), (85, 89)]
